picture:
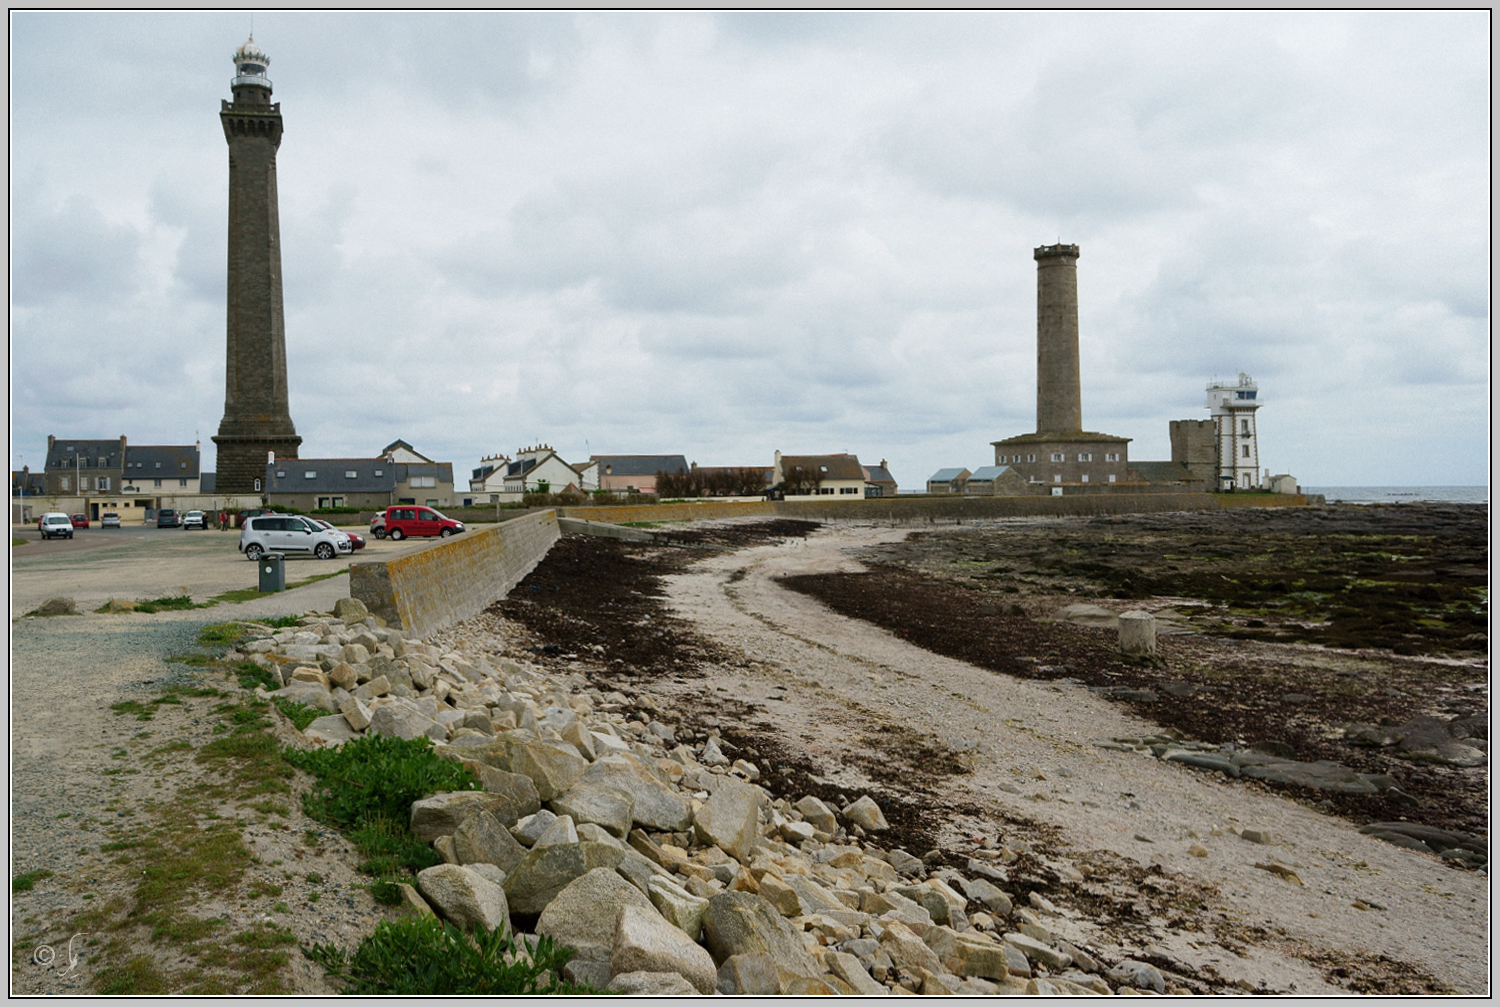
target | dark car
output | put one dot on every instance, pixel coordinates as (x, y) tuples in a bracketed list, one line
[(168, 519), (80, 520)]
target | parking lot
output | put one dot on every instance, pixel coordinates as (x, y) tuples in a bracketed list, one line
[(141, 563)]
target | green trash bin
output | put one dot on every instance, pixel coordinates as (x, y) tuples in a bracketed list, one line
[(272, 573)]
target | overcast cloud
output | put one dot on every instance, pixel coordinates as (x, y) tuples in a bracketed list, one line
[(721, 236)]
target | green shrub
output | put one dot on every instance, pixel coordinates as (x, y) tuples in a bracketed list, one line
[(300, 716), (376, 777), (427, 957), (366, 788)]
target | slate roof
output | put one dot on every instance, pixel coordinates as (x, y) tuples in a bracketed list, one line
[(289, 475), (61, 453), (987, 473), (946, 475), (443, 471), (161, 461), (828, 466), (639, 465)]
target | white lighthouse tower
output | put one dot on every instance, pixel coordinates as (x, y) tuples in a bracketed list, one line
[(1232, 407)]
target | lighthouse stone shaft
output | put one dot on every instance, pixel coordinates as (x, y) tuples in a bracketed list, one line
[(256, 417), (1059, 400)]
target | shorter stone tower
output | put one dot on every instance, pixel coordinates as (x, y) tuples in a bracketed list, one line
[(1061, 457)]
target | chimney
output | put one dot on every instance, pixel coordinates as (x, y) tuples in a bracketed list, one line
[(1059, 407)]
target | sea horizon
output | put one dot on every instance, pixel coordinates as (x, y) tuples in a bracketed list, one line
[(1402, 494)]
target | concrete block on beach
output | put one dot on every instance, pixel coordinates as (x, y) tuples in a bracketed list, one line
[(1138, 634)]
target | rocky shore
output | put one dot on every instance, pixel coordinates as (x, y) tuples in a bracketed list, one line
[(665, 864)]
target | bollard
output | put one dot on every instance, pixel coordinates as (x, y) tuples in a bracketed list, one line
[(1138, 634)]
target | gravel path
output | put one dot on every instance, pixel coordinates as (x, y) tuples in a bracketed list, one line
[(72, 783), (844, 678)]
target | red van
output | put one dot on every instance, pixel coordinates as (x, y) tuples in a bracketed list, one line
[(419, 522)]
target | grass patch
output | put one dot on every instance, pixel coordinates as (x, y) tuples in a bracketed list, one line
[(251, 594), (427, 957), (19, 541), (172, 603), (26, 882), (137, 977)]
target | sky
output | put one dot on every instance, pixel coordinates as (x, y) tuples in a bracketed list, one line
[(726, 235)]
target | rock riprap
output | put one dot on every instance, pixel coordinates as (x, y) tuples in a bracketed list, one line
[(665, 864)]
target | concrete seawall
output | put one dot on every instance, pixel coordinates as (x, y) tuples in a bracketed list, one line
[(437, 586)]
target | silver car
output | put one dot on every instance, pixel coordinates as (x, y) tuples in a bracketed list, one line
[(291, 535)]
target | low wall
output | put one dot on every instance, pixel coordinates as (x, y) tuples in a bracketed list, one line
[(927, 509), (434, 587)]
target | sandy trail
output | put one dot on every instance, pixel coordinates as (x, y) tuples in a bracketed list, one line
[(843, 677)]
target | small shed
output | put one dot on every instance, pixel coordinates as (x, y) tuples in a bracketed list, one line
[(948, 481)]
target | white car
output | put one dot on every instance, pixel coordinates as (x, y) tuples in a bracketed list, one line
[(290, 534), (55, 524)]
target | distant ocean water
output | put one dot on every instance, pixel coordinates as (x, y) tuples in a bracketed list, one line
[(1403, 494)]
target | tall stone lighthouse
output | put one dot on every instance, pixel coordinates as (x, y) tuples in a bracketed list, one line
[(256, 420)]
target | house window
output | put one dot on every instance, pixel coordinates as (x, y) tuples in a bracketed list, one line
[(1112, 457), (1086, 457), (1057, 479), (1084, 477), (257, 485), (1246, 451), (182, 465), (1030, 458), (423, 482), (380, 472), (104, 482), (1244, 428), (157, 483), (848, 489), (322, 502), (310, 474), (182, 482), (1057, 456), (158, 464), (351, 474), (827, 493), (1111, 478), (66, 484)]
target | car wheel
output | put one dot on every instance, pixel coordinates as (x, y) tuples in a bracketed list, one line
[(445, 533), (397, 534), (253, 553), (380, 533), (323, 551)]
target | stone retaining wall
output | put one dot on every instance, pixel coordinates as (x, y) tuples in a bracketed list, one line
[(424, 591), (938, 508)]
